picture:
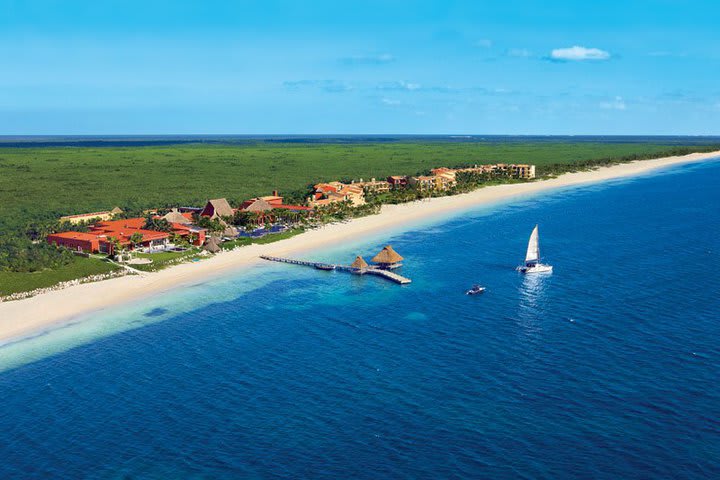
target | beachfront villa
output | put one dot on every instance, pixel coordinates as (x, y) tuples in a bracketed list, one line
[(373, 186), (87, 217), (514, 171), (522, 171), (333, 192), (387, 259), (445, 181), (102, 237)]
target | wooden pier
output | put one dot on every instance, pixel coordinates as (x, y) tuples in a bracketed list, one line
[(386, 274)]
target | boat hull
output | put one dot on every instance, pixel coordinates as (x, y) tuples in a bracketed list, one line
[(539, 268)]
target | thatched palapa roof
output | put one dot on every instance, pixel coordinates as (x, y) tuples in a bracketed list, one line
[(387, 255), (217, 207), (359, 263), (176, 217), (258, 205), (212, 245)]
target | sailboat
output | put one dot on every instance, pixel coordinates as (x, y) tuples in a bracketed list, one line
[(532, 257)]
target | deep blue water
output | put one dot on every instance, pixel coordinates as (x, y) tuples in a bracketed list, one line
[(609, 368)]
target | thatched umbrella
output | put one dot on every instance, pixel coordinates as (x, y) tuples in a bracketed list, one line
[(212, 245), (387, 257), (359, 263), (230, 231)]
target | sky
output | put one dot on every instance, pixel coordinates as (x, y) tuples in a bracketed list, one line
[(630, 67)]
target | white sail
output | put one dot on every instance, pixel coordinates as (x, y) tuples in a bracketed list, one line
[(533, 250)]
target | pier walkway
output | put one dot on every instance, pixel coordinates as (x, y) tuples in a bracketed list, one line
[(386, 274)]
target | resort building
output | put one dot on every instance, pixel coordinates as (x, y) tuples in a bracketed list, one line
[(102, 240), (397, 181), (77, 241), (374, 186), (267, 203), (102, 236), (387, 258), (423, 182), (217, 208), (480, 169), (514, 171), (446, 180), (510, 170), (523, 171), (255, 205), (333, 192), (264, 207), (86, 217)]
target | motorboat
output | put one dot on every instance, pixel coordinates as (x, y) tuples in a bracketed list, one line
[(476, 289)]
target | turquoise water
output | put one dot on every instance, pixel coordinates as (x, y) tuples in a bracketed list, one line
[(606, 369)]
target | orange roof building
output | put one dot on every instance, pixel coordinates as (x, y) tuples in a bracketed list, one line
[(103, 235), (331, 192), (270, 202)]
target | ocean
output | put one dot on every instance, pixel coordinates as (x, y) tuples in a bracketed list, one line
[(608, 368)]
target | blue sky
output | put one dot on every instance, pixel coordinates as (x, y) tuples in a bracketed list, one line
[(465, 67)]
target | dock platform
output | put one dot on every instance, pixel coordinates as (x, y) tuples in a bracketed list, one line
[(386, 274)]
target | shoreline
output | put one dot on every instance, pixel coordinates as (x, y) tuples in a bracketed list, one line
[(29, 317)]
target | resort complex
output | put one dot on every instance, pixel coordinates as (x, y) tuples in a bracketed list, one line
[(110, 232)]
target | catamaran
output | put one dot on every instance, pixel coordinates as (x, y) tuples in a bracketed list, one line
[(532, 257)]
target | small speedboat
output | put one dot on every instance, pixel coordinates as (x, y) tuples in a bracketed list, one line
[(322, 266), (476, 289)]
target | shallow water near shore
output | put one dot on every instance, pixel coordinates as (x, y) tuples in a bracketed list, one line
[(606, 369)]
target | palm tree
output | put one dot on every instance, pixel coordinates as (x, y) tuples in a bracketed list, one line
[(136, 239)]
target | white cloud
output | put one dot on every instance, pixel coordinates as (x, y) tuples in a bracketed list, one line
[(616, 104), (484, 43), (577, 53)]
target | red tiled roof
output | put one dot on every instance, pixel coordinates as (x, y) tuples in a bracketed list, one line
[(88, 237), (125, 228), (324, 187)]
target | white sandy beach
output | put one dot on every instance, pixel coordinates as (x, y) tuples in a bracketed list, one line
[(33, 315)]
